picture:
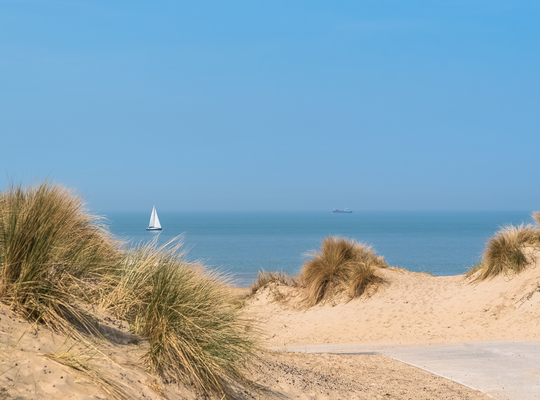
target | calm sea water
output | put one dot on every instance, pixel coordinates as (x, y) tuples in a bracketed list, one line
[(242, 243)]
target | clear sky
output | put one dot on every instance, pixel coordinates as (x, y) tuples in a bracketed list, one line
[(274, 105)]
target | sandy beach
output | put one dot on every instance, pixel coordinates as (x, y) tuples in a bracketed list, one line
[(269, 200), (408, 309), (35, 364)]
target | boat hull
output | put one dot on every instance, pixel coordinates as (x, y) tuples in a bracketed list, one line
[(341, 212), (154, 229)]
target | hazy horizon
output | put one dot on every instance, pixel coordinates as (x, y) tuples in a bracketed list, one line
[(148, 211)]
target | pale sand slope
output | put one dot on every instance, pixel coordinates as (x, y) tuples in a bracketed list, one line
[(410, 308), (27, 372)]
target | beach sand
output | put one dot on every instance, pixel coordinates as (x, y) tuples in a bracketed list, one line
[(111, 367), (409, 308)]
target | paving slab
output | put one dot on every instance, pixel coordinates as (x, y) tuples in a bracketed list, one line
[(504, 370)]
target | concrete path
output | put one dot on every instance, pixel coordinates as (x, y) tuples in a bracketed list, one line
[(504, 370)]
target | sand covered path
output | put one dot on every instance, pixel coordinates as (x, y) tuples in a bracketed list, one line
[(29, 370), (504, 370), (485, 335)]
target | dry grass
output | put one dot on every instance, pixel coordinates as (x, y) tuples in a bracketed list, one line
[(264, 278), (504, 252), (341, 265), (82, 362), (473, 269), (51, 254), (536, 217), (56, 259), (189, 317)]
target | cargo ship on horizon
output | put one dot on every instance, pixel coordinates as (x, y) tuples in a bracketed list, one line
[(346, 211)]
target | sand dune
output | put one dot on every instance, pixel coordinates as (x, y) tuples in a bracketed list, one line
[(28, 372), (410, 308)]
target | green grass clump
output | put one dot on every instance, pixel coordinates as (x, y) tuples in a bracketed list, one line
[(189, 316), (52, 252), (504, 251), (341, 265)]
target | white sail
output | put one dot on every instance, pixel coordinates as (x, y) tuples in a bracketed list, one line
[(154, 224), (152, 218), (157, 225)]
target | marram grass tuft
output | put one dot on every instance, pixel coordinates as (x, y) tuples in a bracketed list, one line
[(504, 252), (51, 254), (341, 265), (188, 315), (264, 278), (56, 259)]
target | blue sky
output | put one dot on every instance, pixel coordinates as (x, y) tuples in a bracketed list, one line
[(274, 105)]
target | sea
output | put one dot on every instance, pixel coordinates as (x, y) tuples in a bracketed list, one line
[(240, 244)]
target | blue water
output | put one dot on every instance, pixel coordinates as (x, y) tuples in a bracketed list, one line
[(242, 243)]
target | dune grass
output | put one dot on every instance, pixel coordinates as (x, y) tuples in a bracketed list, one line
[(51, 253), (188, 315), (82, 361), (473, 269), (264, 278), (341, 265), (56, 260), (536, 217), (504, 252)]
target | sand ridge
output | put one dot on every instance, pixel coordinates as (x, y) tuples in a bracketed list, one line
[(408, 309)]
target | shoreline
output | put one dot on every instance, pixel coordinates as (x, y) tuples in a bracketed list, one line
[(442, 243)]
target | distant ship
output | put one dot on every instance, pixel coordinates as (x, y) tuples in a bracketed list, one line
[(154, 221), (346, 211)]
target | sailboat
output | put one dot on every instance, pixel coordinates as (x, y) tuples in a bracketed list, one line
[(154, 224)]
